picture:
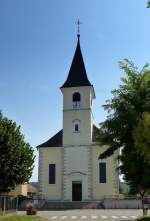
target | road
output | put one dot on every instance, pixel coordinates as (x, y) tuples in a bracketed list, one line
[(91, 214)]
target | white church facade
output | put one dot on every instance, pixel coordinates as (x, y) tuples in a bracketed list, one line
[(69, 168)]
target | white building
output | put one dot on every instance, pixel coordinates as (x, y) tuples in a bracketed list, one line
[(69, 168)]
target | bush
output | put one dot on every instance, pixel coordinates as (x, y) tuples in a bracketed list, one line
[(146, 218)]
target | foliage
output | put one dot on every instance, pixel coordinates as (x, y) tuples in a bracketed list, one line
[(148, 4), (22, 218), (16, 156), (146, 218), (141, 135), (125, 112)]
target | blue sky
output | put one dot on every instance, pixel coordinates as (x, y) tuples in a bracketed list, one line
[(37, 43)]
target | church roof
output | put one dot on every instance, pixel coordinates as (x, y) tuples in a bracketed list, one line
[(57, 139), (77, 75)]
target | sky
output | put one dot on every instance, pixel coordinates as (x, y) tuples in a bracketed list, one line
[(37, 43)]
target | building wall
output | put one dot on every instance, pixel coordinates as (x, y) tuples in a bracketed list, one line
[(76, 168), (84, 136), (111, 187), (20, 190), (49, 156), (86, 96), (80, 164), (84, 114), (77, 145)]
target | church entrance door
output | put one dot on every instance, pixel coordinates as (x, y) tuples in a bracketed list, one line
[(76, 191)]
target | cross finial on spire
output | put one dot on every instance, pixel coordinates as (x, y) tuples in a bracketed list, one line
[(78, 23)]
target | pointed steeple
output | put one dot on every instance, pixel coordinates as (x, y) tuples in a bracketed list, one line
[(77, 75)]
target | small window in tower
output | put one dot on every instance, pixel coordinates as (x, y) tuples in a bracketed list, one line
[(76, 126), (76, 98)]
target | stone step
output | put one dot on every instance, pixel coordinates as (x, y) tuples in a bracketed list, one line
[(53, 205), (72, 205)]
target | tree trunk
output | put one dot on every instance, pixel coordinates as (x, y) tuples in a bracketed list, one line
[(142, 199)]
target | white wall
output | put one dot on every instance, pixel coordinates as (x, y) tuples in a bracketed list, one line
[(80, 164), (84, 137), (86, 96), (111, 187), (49, 156), (84, 114), (76, 168)]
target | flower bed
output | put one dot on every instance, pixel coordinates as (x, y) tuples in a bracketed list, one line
[(30, 209)]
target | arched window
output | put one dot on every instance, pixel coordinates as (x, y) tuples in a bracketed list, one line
[(76, 125), (76, 98)]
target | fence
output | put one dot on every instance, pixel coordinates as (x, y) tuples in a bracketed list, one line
[(8, 204), (105, 203)]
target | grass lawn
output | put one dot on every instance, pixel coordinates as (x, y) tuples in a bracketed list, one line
[(22, 218)]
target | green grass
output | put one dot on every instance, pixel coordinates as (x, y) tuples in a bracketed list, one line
[(146, 218), (22, 218)]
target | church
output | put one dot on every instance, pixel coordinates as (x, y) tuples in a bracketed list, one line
[(69, 168)]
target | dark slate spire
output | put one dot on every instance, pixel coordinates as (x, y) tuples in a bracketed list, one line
[(77, 75)]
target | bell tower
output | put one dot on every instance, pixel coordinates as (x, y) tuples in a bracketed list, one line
[(78, 94)]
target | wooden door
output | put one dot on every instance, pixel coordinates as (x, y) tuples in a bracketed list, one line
[(76, 191)]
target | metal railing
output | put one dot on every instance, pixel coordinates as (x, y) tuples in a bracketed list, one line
[(8, 204)]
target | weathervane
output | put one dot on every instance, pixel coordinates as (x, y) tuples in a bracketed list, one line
[(78, 23)]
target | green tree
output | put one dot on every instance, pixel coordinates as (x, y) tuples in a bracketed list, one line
[(125, 110), (141, 136), (148, 4), (16, 156)]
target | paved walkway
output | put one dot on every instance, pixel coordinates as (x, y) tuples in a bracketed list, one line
[(90, 214)]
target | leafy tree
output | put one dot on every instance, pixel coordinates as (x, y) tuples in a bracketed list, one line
[(127, 106), (16, 156), (119, 130), (141, 136), (148, 4)]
